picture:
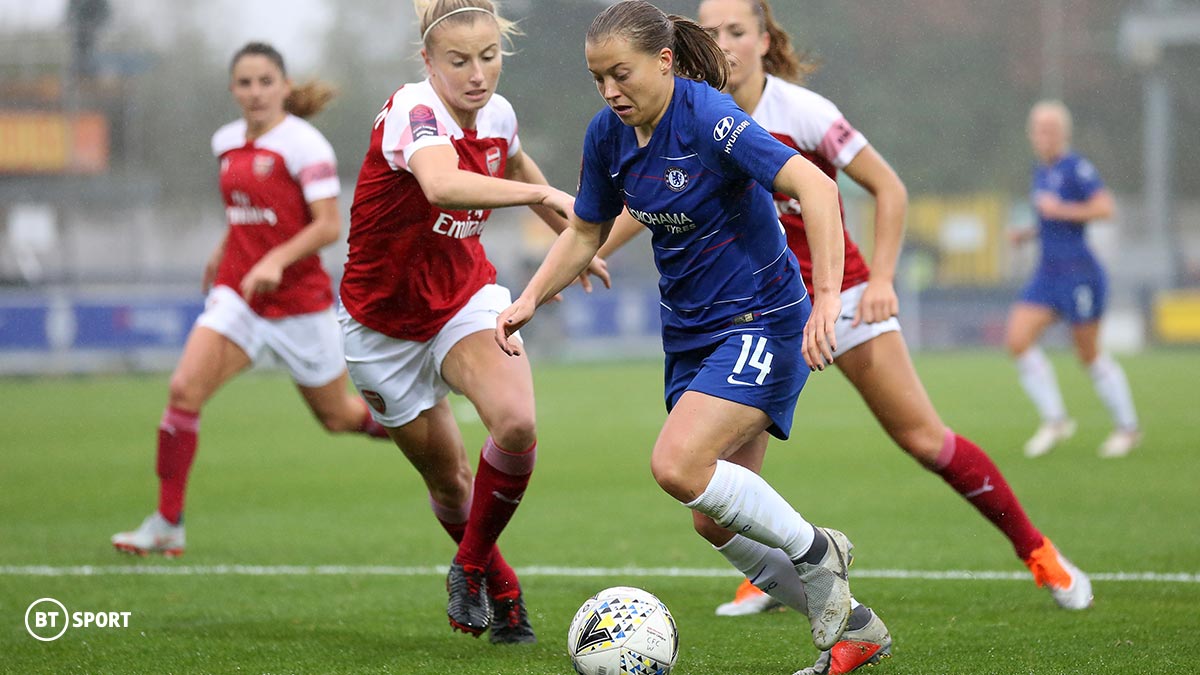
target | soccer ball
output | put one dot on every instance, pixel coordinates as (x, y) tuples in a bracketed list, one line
[(623, 631)]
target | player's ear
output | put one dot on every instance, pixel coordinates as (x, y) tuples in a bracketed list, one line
[(666, 60)]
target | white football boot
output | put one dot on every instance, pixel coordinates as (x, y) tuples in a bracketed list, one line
[(1120, 443), (1049, 435), (1069, 586), (154, 535), (827, 588)]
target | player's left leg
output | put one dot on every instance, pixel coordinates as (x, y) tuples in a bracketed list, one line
[(501, 389), (882, 372), (688, 463), (1108, 378), (339, 411)]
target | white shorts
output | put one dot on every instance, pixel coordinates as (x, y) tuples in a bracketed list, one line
[(850, 337), (403, 378), (309, 345)]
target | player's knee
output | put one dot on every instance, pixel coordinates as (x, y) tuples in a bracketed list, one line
[(922, 443), (181, 393), (673, 477), (1016, 343), (515, 432)]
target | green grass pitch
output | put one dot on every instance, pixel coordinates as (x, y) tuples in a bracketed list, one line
[(270, 488)]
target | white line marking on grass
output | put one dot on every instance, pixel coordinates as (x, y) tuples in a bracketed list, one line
[(535, 571)]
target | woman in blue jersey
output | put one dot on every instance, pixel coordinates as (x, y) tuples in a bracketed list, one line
[(691, 166), (1069, 284)]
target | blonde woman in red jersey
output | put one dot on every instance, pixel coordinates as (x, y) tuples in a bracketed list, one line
[(267, 291), (420, 299), (871, 352)]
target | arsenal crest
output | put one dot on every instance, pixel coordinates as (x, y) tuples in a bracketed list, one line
[(493, 160), (676, 179), (263, 165)]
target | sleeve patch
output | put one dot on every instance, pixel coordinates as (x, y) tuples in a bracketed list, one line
[(422, 122)]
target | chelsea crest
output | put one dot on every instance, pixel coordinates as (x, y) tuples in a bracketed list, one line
[(676, 178)]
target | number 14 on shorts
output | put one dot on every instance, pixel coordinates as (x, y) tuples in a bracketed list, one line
[(760, 359)]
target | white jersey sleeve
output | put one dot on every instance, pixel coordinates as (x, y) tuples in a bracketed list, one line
[(310, 159), (414, 119), (811, 121), (228, 137)]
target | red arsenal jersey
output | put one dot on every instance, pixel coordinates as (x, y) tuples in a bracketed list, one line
[(810, 123), (412, 265), (267, 185)]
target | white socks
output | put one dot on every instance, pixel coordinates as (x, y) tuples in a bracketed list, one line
[(1037, 378), (740, 501), (767, 568), (1111, 386), (770, 570)]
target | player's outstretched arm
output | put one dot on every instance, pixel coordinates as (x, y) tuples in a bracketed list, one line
[(571, 253), (870, 170), (818, 197), (449, 187), (324, 229)]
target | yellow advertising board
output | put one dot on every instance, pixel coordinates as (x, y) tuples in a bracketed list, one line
[(39, 142)]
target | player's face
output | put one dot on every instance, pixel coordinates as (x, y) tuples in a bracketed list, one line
[(636, 85), (734, 26), (463, 61), (1047, 134), (260, 89)]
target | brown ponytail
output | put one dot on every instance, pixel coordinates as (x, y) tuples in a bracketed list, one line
[(781, 59), (649, 30), (306, 99)]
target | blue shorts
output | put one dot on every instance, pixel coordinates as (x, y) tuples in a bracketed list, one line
[(765, 372), (1077, 296)]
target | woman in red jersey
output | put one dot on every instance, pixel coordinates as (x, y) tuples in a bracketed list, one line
[(267, 291), (871, 351), (420, 299)]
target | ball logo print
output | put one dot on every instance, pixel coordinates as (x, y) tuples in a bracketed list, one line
[(47, 619), (722, 129), (623, 630)]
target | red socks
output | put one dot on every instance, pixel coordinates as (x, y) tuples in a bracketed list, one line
[(176, 448), (499, 485), (973, 475), (502, 580)]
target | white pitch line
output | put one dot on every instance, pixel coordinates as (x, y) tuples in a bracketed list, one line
[(535, 571)]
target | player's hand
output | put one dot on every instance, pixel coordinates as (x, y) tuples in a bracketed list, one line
[(1019, 236), (1048, 205), (510, 321), (562, 203), (878, 303), (820, 340), (597, 268), (264, 277)]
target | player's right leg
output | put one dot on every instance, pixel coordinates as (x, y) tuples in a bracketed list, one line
[(209, 360), (1112, 387), (1026, 323)]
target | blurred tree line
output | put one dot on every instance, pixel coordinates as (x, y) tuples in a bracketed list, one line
[(941, 87)]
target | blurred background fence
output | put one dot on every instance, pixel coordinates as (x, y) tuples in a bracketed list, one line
[(109, 205)]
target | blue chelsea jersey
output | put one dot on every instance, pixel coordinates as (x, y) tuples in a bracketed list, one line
[(1071, 178), (702, 187)]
